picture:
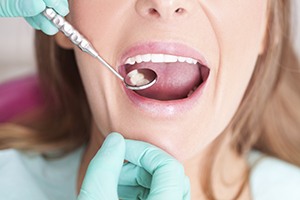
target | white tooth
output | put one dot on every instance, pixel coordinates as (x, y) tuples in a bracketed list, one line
[(146, 58), (189, 60), (127, 61), (157, 58), (130, 61), (138, 59), (194, 62), (170, 58), (181, 59), (192, 91)]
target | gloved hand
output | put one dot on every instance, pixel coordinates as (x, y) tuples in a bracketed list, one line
[(31, 10), (150, 173)]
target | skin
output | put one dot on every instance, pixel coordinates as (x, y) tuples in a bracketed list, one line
[(229, 34)]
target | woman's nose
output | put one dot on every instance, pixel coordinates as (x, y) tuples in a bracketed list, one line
[(162, 9)]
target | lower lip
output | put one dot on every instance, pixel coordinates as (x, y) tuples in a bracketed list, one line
[(166, 109)]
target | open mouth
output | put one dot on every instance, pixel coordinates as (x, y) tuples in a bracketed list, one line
[(178, 77)]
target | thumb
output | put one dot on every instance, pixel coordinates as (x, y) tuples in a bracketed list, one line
[(21, 8), (101, 179)]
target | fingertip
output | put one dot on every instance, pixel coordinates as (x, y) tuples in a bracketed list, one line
[(32, 23), (31, 7), (101, 178), (64, 11), (49, 30), (108, 161), (116, 136), (135, 150), (45, 25), (112, 150), (60, 6), (114, 139)]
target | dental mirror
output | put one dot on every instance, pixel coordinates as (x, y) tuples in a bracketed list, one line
[(137, 79), (140, 79)]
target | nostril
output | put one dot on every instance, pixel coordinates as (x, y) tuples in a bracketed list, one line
[(153, 12), (179, 10)]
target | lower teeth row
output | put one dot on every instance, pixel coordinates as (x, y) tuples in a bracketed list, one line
[(192, 91)]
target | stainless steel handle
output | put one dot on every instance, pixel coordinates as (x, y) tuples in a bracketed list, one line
[(76, 37), (70, 32)]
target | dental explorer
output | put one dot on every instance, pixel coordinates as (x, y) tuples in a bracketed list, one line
[(137, 79)]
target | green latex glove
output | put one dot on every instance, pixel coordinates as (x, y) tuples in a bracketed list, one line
[(31, 10), (150, 173)]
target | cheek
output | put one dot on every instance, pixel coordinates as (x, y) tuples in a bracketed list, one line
[(240, 34), (100, 21), (98, 83), (84, 16)]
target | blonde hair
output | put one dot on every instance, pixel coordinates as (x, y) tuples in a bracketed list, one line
[(266, 119)]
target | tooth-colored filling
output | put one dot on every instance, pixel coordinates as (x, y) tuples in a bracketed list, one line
[(137, 78)]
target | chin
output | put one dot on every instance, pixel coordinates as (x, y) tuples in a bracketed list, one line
[(172, 139)]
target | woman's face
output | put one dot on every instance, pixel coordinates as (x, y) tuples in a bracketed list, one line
[(223, 37)]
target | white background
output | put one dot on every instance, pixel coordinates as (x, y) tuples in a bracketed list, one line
[(17, 54)]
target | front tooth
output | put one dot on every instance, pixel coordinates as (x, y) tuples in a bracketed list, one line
[(138, 59), (146, 58), (130, 61), (189, 60), (181, 59), (170, 59), (157, 58)]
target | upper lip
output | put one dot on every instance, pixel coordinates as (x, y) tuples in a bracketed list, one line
[(176, 49)]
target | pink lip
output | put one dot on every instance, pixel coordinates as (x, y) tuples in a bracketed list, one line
[(163, 108)]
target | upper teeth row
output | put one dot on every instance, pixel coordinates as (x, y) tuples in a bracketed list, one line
[(159, 58)]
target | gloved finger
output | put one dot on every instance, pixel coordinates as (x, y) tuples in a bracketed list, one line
[(60, 6), (167, 173), (101, 179), (187, 190), (133, 175), (132, 192), (32, 23), (44, 24), (21, 8)]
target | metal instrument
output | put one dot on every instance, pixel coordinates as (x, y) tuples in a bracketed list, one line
[(137, 79)]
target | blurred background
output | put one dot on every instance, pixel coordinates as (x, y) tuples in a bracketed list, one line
[(17, 39), (17, 52)]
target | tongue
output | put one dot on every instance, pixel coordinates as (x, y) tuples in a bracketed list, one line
[(175, 80)]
